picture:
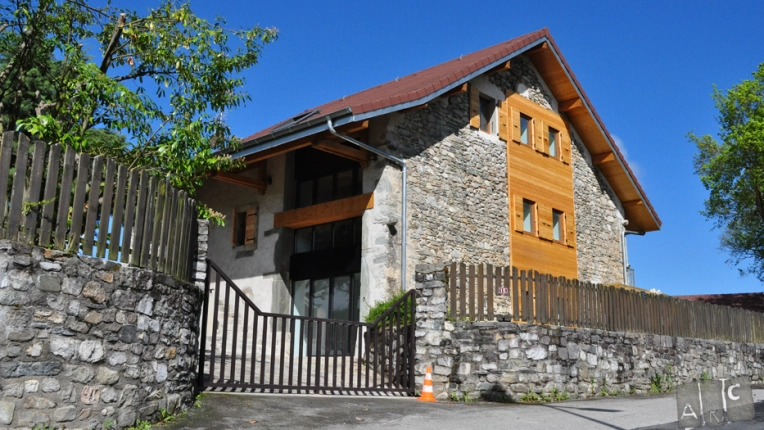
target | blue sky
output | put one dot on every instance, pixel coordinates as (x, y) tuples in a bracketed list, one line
[(648, 68)]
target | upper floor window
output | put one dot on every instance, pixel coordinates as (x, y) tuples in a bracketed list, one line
[(553, 141), (525, 129), (340, 234), (487, 107), (323, 177)]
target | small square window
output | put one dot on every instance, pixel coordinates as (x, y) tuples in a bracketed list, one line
[(487, 107), (244, 227), (529, 218), (557, 220), (553, 140), (525, 129)]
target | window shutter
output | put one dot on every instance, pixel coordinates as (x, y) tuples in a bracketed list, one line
[(503, 120), (570, 231), (565, 147), (545, 222), (518, 213), (542, 136), (234, 228), (250, 233), (515, 125), (474, 107)]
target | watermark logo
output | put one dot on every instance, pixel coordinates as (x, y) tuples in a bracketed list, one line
[(714, 403)]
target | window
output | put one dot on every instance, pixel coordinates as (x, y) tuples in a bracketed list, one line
[(245, 227), (529, 219), (340, 234), (553, 138), (525, 126), (322, 177), (487, 106), (557, 221)]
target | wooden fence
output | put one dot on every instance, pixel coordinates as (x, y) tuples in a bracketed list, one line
[(544, 299), (93, 206)]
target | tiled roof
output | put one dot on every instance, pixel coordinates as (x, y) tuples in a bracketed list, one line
[(420, 84), (750, 301)]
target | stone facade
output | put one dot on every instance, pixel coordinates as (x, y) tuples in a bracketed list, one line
[(502, 359), (599, 222), (86, 342)]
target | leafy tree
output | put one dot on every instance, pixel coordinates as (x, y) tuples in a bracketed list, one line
[(161, 78), (733, 171)]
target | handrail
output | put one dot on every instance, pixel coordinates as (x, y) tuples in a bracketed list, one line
[(225, 277), (392, 307)]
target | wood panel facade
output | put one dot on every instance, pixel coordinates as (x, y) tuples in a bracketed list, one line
[(540, 171)]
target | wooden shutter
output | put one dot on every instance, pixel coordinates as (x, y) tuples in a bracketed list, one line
[(564, 147), (474, 107), (542, 135), (503, 120), (234, 228), (518, 213), (545, 222), (250, 233), (515, 125), (570, 230)]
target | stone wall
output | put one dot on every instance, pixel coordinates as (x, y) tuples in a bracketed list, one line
[(86, 342), (494, 360), (599, 222)]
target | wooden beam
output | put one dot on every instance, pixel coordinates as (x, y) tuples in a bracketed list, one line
[(569, 105), (538, 49), (500, 68), (632, 203), (350, 207), (246, 181), (458, 90), (344, 151), (278, 150), (353, 127), (602, 158)]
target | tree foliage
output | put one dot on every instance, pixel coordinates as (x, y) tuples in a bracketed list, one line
[(732, 169), (72, 72)]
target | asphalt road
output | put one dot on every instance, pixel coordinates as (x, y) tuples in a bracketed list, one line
[(240, 411)]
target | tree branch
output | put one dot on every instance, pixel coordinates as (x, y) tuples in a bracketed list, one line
[(759, 201), (111, 47), (141, 73)]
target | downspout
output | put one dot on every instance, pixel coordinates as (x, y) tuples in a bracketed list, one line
[(624, 255), (399, 162)]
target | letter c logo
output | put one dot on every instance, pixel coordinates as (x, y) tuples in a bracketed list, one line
[(729, 392)]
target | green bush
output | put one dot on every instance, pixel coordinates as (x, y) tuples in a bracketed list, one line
[(382, 306)]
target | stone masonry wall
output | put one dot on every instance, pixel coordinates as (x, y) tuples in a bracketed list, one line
[(599, 222), (85, 343), (493, 360)]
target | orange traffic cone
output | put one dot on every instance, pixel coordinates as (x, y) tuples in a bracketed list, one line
[(427, 395)]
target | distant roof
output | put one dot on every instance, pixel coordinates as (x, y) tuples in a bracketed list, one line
[(420, 87), (750, 301)]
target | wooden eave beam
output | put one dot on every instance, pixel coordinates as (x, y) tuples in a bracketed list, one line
[(633, 203), (281, 149), (500, 68), (344, 151), (569, 105), (602, 158), (337, 210), (242, 180), (458, 90), (539, 49), (353, 127)]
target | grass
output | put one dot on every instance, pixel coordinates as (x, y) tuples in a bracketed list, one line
[(381, 307), (705, 376), (553, 396)]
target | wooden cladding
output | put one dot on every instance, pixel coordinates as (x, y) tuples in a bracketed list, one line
[(475, 293), (323, 213), (474, 107), (93, 206), (539, 120)]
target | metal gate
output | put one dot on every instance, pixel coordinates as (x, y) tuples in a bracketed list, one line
[(250, 350)]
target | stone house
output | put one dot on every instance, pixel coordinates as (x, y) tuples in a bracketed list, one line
[(494, 157)]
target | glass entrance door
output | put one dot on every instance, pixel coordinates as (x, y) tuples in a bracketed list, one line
[(337, 298)]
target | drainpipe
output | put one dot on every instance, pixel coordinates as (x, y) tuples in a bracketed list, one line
[(623, 248), (399, 162)]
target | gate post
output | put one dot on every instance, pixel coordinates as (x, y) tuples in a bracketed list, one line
[(433, 333)]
